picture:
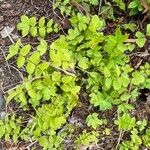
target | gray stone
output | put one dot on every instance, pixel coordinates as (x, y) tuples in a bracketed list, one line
[(6, 31)]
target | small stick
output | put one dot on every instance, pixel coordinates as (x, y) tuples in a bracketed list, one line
[(6, 61)]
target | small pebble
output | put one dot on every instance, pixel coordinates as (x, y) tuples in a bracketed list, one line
[(6, 6), (2, 115), (1, 19)]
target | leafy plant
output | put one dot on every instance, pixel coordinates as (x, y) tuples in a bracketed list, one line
[(93, 121), (86, 58), (125, 122), (120, 3), (86, 138), (140, 39), (30, 25), (135, 6)]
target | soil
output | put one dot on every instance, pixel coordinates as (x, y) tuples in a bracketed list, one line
[(10, 12)]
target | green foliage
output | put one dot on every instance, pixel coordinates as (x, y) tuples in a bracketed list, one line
[(85, 58), (93, 121), (30, 25), (146, 138), (148, 30), (130, 26), (10, 128), (140, 41), (135, 6), (108, 11), (120, 3), (125, 122), (86, 139)]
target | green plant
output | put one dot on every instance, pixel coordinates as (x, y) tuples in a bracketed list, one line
[(85, 139), (85, 58), (30, 25), (140, 39), (125, 122), (93, 121), (146, 138), (135, 6), (148, 30), (10, 128), (120, 3), (130, 26)]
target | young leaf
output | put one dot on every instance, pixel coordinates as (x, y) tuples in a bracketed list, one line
[(20, 61), (13, 49), (30, 68), (42, 22), (50, 23), (34, 58), (93, 121), (140, 41), (25, 50), (96, 23), (25, 19), (33, 31), (138, 78), (72, 34), (148, 30), (83, 63), (42, 32), (32, 21)]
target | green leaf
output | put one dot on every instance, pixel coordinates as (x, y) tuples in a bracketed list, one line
[(11, 95), (83, 63), (25, 19), (13, 49), (42, 48), (50, 23), (30, 68), (72, 34), (43, 66), (24, 28), (49, 30), (106, 72), (138, 78), (125, 97), (96, 23), (148, 30), (93, 121), (140, 41), (133, 4), (42, 22), (94, 2), (99, 100), (32, 21), (125, 122), (33, 31), (116, 85), (42, 32), (34, 58), (108, 82), (43, 141), (120, 3), (25, 50), (2, 129), (125, 107), (20, 61)]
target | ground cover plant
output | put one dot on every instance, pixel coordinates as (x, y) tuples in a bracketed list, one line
[(89, 68)]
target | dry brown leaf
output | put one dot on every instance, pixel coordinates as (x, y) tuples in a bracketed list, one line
[(145, 5)]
